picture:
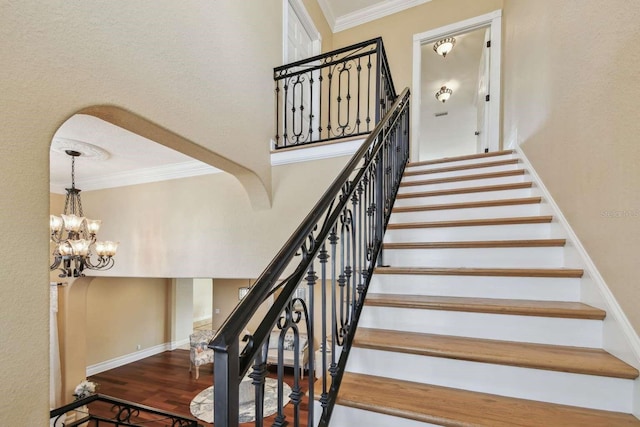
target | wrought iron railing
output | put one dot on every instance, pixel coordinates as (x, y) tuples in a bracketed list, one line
[(338, 94), (331, 255), (109, 411)]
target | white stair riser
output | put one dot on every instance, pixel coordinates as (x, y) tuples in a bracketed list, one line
[(543, 330), (467, 197), (480, 232), (461, 162), (464, 184), (449, 174), (543, 257), (345, 416), (591, 391), (530, 288), (530, 209)]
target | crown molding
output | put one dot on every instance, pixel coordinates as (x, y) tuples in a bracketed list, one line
[(140, 176), (370, 13)]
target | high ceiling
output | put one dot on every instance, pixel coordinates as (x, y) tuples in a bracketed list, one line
[(113, 157), (123, 158)]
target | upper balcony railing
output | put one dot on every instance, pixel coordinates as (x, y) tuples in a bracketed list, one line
[(336, 95)]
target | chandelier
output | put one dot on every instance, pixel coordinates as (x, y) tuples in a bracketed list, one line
[(74, 236), (443, 94), (444, 46)]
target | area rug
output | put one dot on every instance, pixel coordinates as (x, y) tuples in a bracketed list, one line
[(202, 405)]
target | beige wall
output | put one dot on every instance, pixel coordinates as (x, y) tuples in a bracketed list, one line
[(205, 226), (123, 313), (176, 64), (571, 99), (397, 30)]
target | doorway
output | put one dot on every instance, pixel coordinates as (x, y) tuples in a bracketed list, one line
[(469, 121)]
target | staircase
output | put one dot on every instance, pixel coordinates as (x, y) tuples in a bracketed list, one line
[(477, 319)]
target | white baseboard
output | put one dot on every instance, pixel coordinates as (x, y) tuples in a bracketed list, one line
[(133, 357), (619, 338), (177, 344)]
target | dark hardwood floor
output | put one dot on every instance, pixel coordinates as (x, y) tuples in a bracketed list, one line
[(164, 382)]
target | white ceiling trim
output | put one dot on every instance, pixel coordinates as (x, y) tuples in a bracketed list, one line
[(371, 13), (139, 176)]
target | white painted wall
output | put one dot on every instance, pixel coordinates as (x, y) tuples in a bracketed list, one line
[(202, 299)]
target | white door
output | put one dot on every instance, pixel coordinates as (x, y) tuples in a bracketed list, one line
[(299, 90)]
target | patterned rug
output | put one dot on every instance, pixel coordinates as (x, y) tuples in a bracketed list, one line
[(202, 405)]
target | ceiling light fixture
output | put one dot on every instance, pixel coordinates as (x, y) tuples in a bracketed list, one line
[(444, 46), (443, 94), (74, 236)]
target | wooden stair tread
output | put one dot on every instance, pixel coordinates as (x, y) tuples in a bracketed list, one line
[(473, 222), (463, 167), (465, 190), (564, 309), (578, 360), (469, 205), (461, 408), (501, 174), (460, 158), (502, 272), (531, 243)]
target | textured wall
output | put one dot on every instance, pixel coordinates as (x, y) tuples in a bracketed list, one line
[(182, 65), (571, 99)]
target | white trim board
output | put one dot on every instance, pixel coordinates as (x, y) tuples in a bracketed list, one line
[(492, 20), (315, 152), (367, 14), (619, 337), (133, 357)]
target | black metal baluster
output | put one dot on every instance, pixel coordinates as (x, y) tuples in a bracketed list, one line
[(358, 120), (277, 114), (311, 81), (285, 136)]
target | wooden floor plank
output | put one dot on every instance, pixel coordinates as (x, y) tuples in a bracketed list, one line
[(473, 222), (163, 381), (501, 272), (470, 244), (460, 158), (461, 408), (564, 309), (578, 360), (467, 190)]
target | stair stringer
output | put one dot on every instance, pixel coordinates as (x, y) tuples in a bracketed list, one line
[(618, 336)]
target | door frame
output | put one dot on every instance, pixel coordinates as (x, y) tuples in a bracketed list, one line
[(493, 20)]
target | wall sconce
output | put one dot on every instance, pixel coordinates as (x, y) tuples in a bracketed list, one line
[(242, 292), (443, 94), (444, 46)]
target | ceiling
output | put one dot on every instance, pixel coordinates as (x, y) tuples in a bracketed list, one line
[(115, 157)]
